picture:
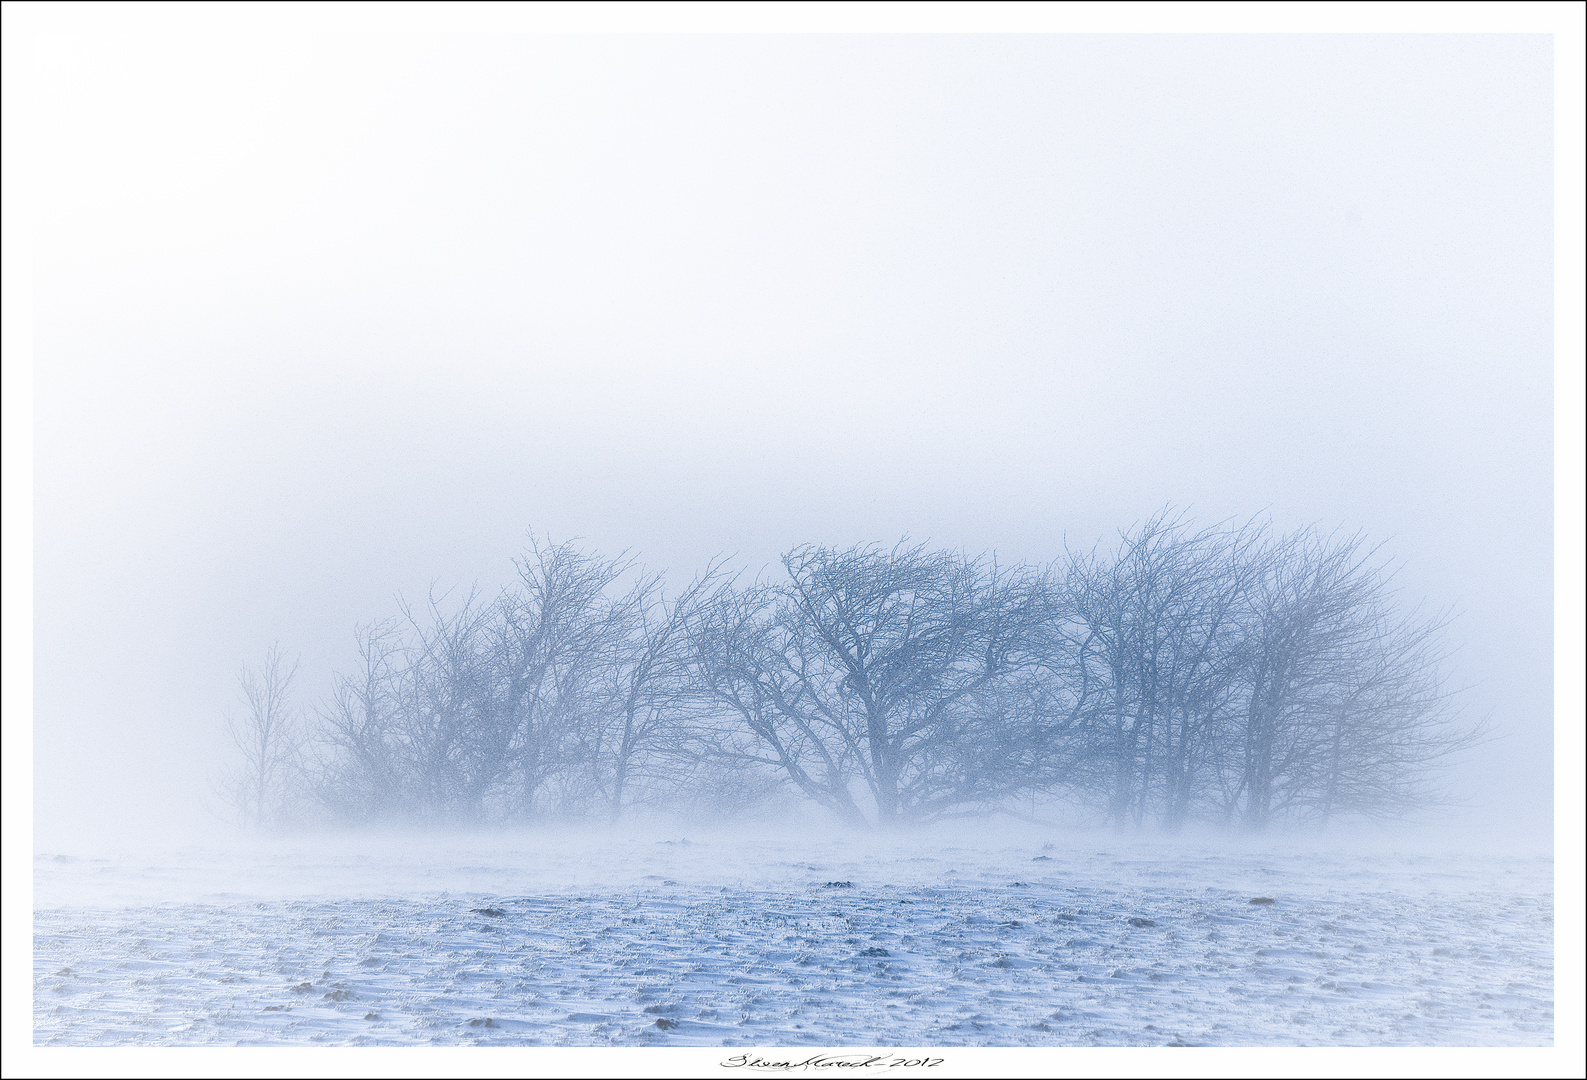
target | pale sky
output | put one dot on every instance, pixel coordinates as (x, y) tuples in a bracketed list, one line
[(319, 320)]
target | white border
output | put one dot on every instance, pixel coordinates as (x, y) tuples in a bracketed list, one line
[(24, 20)]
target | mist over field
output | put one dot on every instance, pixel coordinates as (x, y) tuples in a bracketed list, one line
[(364, 312), (958, 540)]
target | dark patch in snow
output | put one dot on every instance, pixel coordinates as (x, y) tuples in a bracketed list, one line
[(1142, 922), (1262, 900)]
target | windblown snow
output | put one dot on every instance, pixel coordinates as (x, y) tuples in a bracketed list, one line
[(851, 941)]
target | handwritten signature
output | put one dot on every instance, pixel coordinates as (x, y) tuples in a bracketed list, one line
[(830, 1061)]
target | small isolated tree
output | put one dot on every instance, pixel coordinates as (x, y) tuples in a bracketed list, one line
[(265, 735)]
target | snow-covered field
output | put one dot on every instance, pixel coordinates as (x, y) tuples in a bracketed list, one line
[(1010, 937)]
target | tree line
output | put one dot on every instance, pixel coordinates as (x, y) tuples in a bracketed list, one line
[(1225, 674)]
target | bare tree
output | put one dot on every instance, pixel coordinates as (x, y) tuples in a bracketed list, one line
[(887, 686), (456, 745), (1393, 724), (1304, 635), (366, 772), (1221, 673), (266, 737), (553, 637), (469, 710), (650, 686), (1162, 647), (1344, 707), (1243, 676)]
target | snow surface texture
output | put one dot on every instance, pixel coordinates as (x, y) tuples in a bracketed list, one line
[(852, 941)]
